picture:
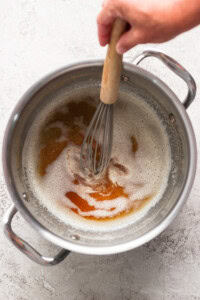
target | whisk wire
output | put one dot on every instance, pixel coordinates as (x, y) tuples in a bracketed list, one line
[(103, 162), (97, 143), (98, 160), (87, 142), (94, 144), (107, 144), (90, 144)]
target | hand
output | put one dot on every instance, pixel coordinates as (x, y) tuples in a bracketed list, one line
[(150, 21)]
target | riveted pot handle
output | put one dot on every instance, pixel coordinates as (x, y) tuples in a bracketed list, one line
[(176, 68), (24, 247)]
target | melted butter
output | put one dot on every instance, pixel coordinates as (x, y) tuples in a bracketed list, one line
[(104, 189), (83, 205), (107, 190), (48, 154), (51, 148)]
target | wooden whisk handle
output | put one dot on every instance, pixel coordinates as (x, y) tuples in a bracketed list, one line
[(112, 65)]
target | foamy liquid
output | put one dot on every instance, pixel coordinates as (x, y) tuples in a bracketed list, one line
[(147, 176)]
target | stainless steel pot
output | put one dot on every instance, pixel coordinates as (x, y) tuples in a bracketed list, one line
[(81, 80)]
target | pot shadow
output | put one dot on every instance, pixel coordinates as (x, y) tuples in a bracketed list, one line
[(130, 275), (124, 276), (142, 273), (139, 274)]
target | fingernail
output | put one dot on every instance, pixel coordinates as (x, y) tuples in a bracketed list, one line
[(120, 50), (103, 43)]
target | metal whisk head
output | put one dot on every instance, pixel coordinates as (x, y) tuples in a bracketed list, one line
[(97, 143)]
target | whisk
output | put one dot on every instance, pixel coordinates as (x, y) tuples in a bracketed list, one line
[(97, 144)]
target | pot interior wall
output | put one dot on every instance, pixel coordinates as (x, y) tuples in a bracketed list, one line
[(85, 82)]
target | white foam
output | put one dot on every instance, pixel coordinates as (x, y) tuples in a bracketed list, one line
[(148, 169)]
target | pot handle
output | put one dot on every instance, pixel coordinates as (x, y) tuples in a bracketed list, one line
[(176, 68), (27, 249)]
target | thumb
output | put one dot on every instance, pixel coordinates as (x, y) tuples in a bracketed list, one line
[(129, 40)]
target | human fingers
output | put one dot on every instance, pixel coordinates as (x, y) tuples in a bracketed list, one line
[(105, 20), (130, 39)]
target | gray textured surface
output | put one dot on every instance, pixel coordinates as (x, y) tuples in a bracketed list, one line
[(38, 36)]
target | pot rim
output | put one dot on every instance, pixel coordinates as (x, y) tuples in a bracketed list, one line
[(70, 245)]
